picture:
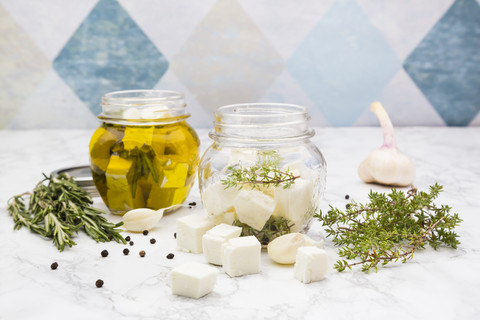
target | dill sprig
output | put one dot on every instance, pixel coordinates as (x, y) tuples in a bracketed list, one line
[(58, 210), (389, 228), (264, 173)]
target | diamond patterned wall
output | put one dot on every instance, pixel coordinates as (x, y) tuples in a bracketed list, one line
[(420, 58)]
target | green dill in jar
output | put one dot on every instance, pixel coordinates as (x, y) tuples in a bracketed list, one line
[(144, 154)]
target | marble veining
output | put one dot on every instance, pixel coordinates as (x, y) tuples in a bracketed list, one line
[(442, 284)]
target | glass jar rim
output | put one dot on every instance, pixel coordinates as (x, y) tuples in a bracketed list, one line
[(261, 123), (143, 107)]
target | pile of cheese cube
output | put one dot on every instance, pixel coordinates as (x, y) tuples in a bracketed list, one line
[(223, 246), (254, 207)]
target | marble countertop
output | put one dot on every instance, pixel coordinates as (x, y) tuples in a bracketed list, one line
[(442, 284)]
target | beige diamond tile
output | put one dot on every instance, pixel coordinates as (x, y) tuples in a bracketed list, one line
[(227, 59), (22, 67)]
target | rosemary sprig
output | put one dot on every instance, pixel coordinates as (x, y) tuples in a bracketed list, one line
[(58, 210), (142, 159), (263, 173), (390, 228)]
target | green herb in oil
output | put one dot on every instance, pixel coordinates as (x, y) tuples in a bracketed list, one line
[(390, 228), (274, 227), (58, 208)]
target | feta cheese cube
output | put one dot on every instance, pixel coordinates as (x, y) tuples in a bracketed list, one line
[(213, 240), (294, 202), (241, 256), (193, 280), (217, 200), (311, 264), (137, 136), (254, 208), (190, 230), (227, 218)]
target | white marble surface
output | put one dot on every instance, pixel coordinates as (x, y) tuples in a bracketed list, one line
[(443, 284)]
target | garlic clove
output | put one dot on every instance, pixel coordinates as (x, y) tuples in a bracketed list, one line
[(283, 249), (138, 220), (387, 165)]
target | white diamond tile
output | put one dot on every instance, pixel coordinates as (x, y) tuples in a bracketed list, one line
[(404, 23), (50, 23), (285, 89), (53, 105), (167, 23), (476, 121), (405, 104), (200, 116), (286, 24)]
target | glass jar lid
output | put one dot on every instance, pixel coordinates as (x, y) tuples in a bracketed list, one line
[(143, 107), (261, 123)]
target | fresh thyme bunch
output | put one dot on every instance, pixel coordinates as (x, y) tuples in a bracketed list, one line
[(390, 227), (59, 209), (264, 173)]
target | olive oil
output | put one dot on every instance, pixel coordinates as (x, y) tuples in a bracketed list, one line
[(137, 166)]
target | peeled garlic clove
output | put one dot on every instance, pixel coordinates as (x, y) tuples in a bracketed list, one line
[(387, 165), (283, 249), (137, 220)]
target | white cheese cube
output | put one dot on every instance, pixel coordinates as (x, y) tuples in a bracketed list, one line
[(131, 113), (311, 264), (193, 280), (217, 200), (190, 230), (254, 208), (155, 112), (294, 202), (227, 218), (214, 239), (241, 256)]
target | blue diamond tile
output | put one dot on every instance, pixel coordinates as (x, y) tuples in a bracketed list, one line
[(344, 63), (109, 52), (446, 64)]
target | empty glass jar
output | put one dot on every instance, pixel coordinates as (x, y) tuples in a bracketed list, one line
[(262, 172), (144, 154)]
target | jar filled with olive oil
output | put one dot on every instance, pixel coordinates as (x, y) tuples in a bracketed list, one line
[(144, 154)]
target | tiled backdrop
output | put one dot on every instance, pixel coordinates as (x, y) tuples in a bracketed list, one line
[(420, 58)]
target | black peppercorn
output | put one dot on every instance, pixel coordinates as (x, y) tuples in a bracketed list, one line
[(170, 256), (54, 266), (104, 253), (152, 241), (347, 196), (193, 204), (126, 251), (131, 243), (127, 238), (110, 237), (347, 206), (99, 283), (142, 253), (145, 232), (175, 235)]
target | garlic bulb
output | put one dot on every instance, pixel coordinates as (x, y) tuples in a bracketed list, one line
[(387, 165)]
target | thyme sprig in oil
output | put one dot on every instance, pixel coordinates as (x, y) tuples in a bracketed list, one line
[(264, 173)]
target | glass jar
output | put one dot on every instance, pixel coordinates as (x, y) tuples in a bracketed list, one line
[(144, 154), (262, 172)]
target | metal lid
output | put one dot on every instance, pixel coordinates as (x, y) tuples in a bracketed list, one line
[(82, 175)]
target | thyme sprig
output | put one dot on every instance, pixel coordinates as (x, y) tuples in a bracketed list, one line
[(390, 228), (264, 173), (58, 208)]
